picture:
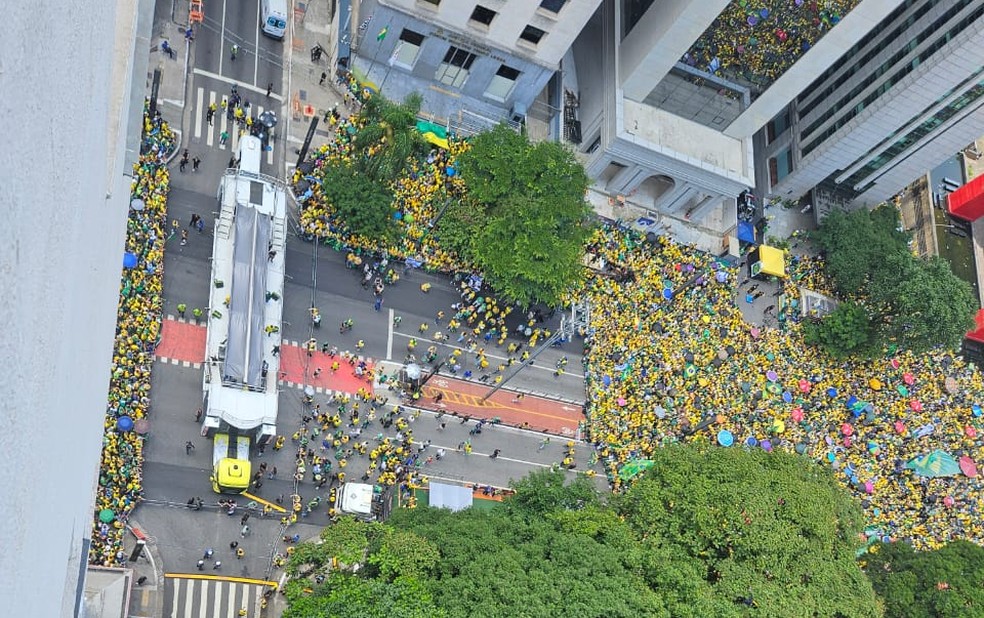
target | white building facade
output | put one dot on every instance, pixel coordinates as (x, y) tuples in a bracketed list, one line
[(897, 103), (71, 119), (673, 137), (487, 59)]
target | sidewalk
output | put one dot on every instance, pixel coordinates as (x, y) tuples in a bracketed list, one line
[(307, 96), (146, 600)]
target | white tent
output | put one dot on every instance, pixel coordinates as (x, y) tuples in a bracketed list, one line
[(454, 497)]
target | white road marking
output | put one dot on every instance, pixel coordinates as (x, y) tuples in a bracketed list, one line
[(223, 123), (389, 336), (256, 43), (466, 354), (197, 111), (222, 47), (210, 139), (241, 86)]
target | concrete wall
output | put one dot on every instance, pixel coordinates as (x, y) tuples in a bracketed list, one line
[(441, 100), (64, 199), (512, 17), (659, 40), (856, 25)]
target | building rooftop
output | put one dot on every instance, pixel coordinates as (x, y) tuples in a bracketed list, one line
[(753, 42)]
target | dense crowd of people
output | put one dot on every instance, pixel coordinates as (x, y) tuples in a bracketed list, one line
[(671, 358), (758, 40), (417, 199), (137, 331)]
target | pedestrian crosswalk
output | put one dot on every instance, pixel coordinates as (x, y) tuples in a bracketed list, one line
[(220, 124), (213, 598)]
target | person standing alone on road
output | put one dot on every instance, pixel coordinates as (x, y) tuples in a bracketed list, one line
[(223, 138), (189, 447), (195, 163), (235, 50)]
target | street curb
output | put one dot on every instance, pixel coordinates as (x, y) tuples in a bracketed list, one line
[(156, 564)]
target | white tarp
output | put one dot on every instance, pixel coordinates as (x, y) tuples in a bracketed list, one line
[(454, 497)]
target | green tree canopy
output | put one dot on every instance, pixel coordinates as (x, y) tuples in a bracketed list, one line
[(389, 137), (344, 595), (944, 583), (856, 243), (913, 303), (925, 305), (723, 529), (846, 331), (523, 222), (364, 205)]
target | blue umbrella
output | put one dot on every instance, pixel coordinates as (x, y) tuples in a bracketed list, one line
[(725, 438), (125, 423), (667, 293), (129, 260)]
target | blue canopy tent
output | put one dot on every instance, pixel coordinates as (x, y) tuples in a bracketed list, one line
[(746, 232)]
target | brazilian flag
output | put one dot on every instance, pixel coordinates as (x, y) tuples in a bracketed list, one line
[(382, 33)]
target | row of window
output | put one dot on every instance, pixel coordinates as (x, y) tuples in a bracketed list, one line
[(885, 66), (896, 78), (483, 16), (916, 134), (813, 92), (455, 67)]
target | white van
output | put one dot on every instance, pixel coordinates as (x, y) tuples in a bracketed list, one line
[(273, 17)]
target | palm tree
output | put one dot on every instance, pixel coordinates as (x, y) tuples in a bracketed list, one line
[(391, 133)]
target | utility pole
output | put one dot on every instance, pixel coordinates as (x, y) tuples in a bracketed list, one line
[(578, 322)]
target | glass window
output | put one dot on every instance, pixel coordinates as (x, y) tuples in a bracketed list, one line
[(502, 83), (553, 6), (454, 69), (532, 34), (407, 49), (483, 15)]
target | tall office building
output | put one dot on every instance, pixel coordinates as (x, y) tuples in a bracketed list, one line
[(70, 119), (895, 104), (472, 60), (671, 93)]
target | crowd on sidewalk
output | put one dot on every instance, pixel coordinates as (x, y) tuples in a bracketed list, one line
[(666, 362), (137, 332), (418, 196)]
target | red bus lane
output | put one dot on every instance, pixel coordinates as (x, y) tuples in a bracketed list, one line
[(184, 342), (465, 399)]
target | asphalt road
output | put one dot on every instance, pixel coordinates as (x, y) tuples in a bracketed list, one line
[(315, 275)]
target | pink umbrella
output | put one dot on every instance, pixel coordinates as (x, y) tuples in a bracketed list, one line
[(968, 467), (908, 378), (847, 429), (869, 487), (797, 414), (621, 401), (848, 442), (894, 363), (948, 501), (916, 405), (755, 332), (899, 427), (970, 432), (805, 386)]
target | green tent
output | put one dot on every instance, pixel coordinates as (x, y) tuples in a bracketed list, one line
[(934, 464)]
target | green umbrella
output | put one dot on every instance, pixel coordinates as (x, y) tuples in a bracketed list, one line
[(934, 464), (106, 515)]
